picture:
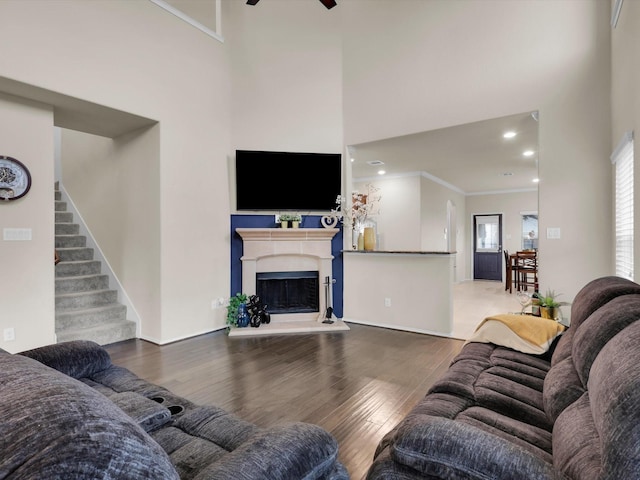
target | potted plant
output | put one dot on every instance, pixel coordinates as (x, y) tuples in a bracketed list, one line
[(284, 219), (233, 307), (549, 305), (295, 220)]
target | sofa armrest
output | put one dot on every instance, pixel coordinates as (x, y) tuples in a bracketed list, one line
[(444, 448), (77, 359), (298, 450)]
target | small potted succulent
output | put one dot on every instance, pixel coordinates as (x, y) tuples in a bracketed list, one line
[(284, 220), (549, 305), (295, 220)]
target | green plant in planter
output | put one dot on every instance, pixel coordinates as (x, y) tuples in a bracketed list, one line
[(232, 308), (549, 305), (549, 299)]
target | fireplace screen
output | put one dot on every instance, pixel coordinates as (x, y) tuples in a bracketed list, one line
[(289, 292)]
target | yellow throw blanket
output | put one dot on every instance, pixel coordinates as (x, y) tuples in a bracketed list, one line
[(526, 333)]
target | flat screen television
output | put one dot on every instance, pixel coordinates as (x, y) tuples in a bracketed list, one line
[(304, 182)]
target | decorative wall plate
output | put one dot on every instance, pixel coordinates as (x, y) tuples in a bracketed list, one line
[(15, 179)]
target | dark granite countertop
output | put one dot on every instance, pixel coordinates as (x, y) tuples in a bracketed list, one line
[(398, 252)]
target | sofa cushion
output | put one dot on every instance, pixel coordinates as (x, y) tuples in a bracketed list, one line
[(56, 427), (597, 437), (597, 293), (599, 328), (562, 387), (298, 451), (442, 448), (78, 359), (614, 391), (590, 298), (147, 413)]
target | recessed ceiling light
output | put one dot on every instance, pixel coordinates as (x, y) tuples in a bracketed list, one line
[(353, 159), (528, 153), (509, 134), (381, 172), (536, 180)]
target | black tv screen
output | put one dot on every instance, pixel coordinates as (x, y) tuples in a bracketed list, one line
[(287, 180)]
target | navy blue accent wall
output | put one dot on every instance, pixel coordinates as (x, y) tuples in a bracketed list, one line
[(268, 221)]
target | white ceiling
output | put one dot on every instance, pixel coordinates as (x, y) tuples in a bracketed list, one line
[(473, 157)]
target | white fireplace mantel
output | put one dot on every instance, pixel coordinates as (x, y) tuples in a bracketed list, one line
[(284, 234)]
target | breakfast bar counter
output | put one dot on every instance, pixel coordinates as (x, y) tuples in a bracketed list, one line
[(404, 290)]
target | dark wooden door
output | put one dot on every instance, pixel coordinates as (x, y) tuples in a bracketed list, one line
[(487, 247)]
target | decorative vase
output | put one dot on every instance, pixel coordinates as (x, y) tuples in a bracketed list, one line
[(369, 239), (360, 241), (243, 315), (295, 224), (284, 224)]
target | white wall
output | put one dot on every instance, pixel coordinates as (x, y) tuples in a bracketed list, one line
[(116, 182), (397, 216), (286, 65), (27, 275), (626, 96), (134, 56), (434, 197), (411, 66)]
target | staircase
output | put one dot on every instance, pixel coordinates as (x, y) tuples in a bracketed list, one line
[(85, 307)]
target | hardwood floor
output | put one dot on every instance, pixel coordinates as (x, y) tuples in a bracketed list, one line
[(356, 384)]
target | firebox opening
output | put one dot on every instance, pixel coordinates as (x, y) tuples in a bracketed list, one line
[(289, 292)]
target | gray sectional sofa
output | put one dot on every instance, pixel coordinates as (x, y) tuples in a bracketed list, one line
[(497, 413), (66, 412)]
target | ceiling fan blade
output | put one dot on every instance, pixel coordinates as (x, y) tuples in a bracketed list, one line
[(326, 3), (329, 3)]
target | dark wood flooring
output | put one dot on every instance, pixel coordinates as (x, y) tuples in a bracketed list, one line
[(356, 384)]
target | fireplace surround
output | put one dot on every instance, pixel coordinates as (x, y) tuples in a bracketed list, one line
[(276, 251)]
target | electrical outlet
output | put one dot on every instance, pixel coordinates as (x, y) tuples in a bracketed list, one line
[(9, 334), (387, 302), (553, 233), (217, 303)]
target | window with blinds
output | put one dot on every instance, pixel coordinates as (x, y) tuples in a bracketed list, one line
[(622, 158)]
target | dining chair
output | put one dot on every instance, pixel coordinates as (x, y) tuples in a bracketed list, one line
[(511, 268), (527, 270)]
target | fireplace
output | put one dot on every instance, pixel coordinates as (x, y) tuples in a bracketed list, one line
[(286, 259), (289, 292)]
